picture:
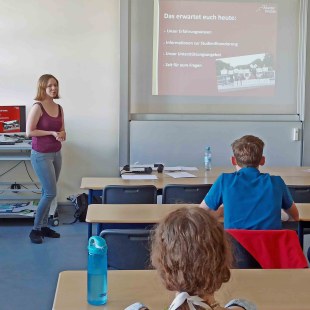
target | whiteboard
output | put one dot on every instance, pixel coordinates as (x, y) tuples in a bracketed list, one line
[(182, 143)]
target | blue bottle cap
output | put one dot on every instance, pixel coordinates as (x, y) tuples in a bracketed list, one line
[(96, 245)]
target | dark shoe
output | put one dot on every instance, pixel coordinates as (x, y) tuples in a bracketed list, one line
[(50, 233), (36, 236)]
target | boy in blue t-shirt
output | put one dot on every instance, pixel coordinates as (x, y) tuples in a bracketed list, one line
[(252, 200)]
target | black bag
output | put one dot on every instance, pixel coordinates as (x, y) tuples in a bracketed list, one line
[(80, 202)]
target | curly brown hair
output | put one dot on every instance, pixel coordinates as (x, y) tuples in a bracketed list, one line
[(191, 253), (248, 151)]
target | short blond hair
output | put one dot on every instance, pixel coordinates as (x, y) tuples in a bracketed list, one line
[(248, 151), (42, 84)]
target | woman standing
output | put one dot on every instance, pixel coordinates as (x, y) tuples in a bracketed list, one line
[(45, 124)]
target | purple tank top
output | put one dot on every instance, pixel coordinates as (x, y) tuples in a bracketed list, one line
[(47, 144)]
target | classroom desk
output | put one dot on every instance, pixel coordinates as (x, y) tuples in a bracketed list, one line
[(153, 213), (162, 181), (269, 289), (291, 176), (128, 213)]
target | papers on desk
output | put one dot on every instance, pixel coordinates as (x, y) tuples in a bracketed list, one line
[(139, 177), (180, 168), (177, 175)]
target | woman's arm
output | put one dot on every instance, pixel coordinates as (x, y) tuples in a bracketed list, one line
[(32, 121), (62, 133)]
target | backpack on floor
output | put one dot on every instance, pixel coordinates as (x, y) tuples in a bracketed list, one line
[(80, 202)]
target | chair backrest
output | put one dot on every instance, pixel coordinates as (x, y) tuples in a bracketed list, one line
[(181, 193), (128, 249), (129, 194), (242, 259), (300, 193), (272, 249)]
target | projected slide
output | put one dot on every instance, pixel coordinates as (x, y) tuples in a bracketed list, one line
[(214, 48)]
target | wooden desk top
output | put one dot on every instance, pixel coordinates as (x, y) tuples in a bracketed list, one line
[(130, 213), (291, 176), (100, 183), (276, 289), (304, 211), (150, 213)]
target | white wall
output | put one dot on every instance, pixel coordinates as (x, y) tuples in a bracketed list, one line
[(78, 42), (306, 136), (182, 143)]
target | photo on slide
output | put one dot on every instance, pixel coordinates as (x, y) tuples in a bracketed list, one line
[(11, 125), (245, 72)]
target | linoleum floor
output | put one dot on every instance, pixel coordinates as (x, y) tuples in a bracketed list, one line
[(29, 272)]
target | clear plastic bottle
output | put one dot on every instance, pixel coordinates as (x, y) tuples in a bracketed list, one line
[(97, 285), (208, 158)]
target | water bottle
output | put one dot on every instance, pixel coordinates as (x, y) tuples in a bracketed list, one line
[(208, 158), (97, 271)]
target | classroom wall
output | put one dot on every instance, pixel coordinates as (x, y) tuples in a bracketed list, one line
[(182, 143), (78, 42), (306, 135)]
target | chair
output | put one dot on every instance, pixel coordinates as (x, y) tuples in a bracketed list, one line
[(271, 249), (121, 194), (180, 193), (242, 259), (128, 249), (300, 193)]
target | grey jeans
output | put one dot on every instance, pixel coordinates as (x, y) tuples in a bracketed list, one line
[(47, 167)]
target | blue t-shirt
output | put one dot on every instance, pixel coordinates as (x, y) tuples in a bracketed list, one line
[(252, 200)]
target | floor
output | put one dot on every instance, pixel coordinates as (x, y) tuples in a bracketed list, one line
[(29, 272)]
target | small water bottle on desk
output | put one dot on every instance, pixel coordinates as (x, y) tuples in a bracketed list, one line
[(208, 158), (97, 271)]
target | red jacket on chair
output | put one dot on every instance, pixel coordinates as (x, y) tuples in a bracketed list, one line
[(272, 248)]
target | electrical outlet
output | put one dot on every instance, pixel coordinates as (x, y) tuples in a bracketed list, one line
[(295, 134)]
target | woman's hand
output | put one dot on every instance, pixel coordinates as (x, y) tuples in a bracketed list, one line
[(59, 136)]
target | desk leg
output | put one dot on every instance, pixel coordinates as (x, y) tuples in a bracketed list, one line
[(301, 233), (99, 229), (90, 201)]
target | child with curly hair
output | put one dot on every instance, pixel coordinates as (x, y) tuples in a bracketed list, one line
[(193, 257)]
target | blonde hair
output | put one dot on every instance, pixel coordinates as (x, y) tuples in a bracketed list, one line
[(42, 84), (248, 151), (191, 253)]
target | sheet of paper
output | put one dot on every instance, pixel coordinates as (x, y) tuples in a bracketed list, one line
[(180, 168), (139, 177), (177, 175)]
